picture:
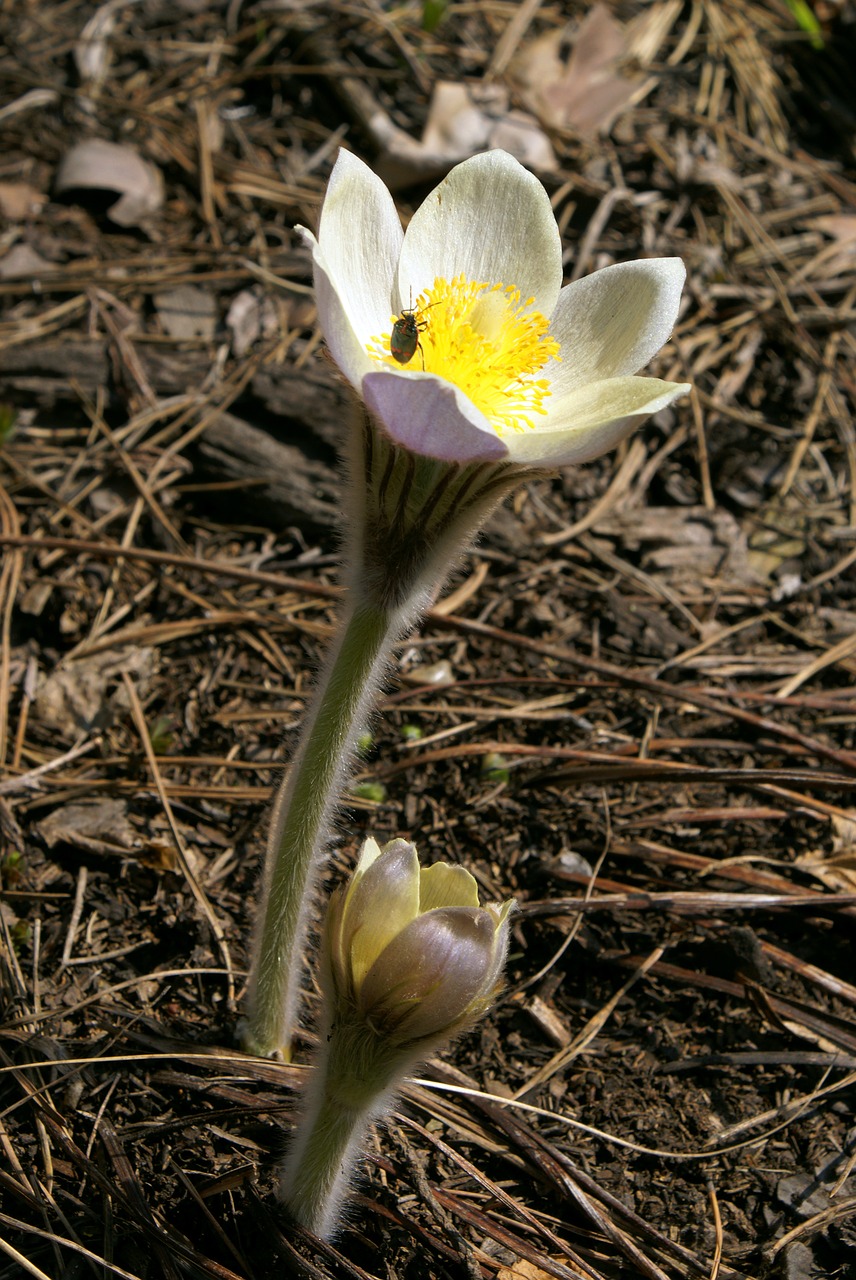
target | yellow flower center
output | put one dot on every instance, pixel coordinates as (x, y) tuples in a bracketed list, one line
[(482, 338)]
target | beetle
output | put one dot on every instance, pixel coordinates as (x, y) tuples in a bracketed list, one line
[(404, 338)]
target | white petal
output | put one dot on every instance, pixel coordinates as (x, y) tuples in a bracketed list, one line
[(490, 219), (345, 347), (360, 235), (585, 423), (429, 416), (611, 323), (369, 853)]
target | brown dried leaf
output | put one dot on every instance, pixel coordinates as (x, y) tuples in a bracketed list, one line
[(187, 311), (839, 226), (590, 90), (98, 165), (92, 50), (22, 262), (251, 316), (19, 201), (463, 119), (838, 869), (84, 694), (97, 826), (458, 123), (520, 1269)]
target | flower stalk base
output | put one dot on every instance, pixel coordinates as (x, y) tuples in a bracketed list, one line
[(352, 1086)]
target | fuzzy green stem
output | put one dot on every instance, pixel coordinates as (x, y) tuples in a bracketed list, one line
[(354, 1081), (301, 813), (323, 1167)]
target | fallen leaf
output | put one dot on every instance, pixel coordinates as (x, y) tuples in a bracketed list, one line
[(463, 118), (100, 166), (22, 262), (839, 226), (520, 134), (520, 1269), (84, 694), (97, 826), (19, 201), (837, 870), (92, 49), (589, 88), (251, 316), (458, 126), (839, 254), (436, 673), (29, 101)]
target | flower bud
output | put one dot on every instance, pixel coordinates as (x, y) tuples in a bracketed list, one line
[(411, 954), (409, 959)]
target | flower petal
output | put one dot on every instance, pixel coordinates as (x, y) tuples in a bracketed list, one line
[(611, 323), (345, 347), (591, 420), (429, 975), (380, 903), (499, 912), (369, 853), (491, 220), (445, 885), (360, 235), (429, 416)]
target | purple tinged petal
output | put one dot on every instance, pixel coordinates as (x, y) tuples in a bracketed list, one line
[(499, 913), (431, 973), (431, 417), (333, 949)]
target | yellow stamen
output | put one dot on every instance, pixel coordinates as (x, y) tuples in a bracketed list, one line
[(486, 341)]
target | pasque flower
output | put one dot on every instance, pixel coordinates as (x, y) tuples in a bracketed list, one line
[(409, 959), (509, 365), (474, 369), (410, 950)]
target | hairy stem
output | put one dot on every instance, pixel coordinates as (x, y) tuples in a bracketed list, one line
[(353, 1084), (302, 811), (409, 519), (319, 1172)]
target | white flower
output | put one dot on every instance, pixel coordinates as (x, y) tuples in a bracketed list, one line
[(508, 364)]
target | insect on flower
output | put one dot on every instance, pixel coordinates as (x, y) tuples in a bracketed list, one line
[(404, 338)]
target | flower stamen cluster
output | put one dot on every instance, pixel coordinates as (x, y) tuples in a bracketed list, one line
[(485, 340), (496, 360)]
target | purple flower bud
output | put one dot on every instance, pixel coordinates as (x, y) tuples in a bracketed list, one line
[(413, 955)]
